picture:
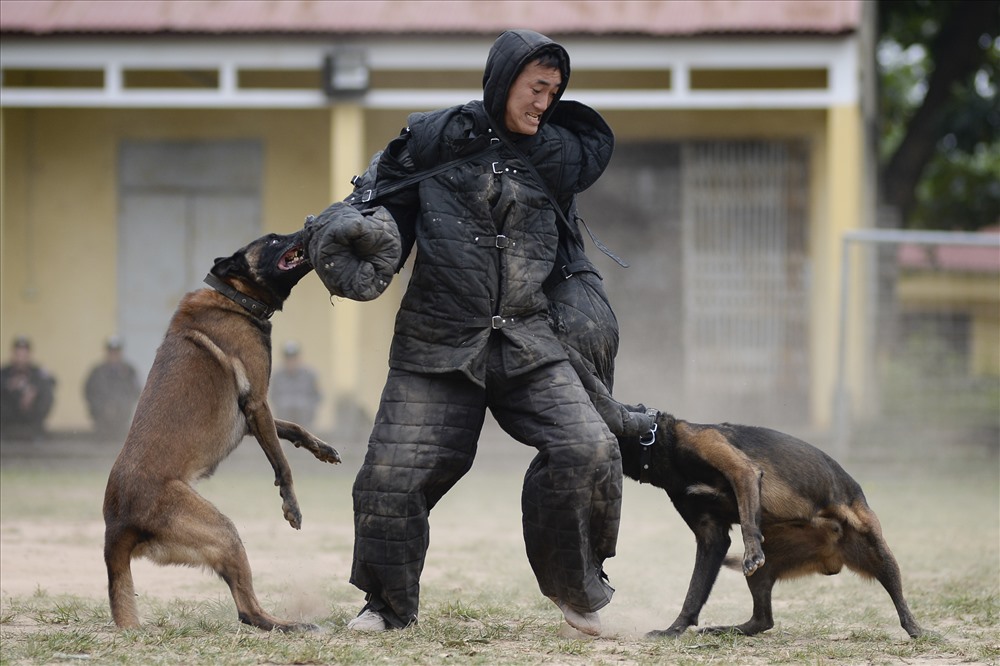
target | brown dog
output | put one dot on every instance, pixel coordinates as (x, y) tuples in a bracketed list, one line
[(798, 510), (206, 391)]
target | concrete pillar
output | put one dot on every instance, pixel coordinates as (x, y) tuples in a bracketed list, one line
[(346, 159), (844, 211)]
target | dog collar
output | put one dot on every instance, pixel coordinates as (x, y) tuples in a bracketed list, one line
[(251, 305), (646, 442)]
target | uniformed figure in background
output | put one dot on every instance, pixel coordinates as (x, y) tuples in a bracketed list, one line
[(27, 393), (295, 393), (112, 391)]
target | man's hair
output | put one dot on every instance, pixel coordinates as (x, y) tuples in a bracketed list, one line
[(550, 56)]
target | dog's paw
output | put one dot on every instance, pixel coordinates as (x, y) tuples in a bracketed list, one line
[(294, 627), (753, 552), (323, 451), (294, 519), (326, 453), (670, 632), (292, 514), (752, 561)]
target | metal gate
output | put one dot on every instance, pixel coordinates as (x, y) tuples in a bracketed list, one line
[(745, 254), (182, 203)]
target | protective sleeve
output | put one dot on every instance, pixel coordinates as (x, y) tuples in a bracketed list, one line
[(354, 252)]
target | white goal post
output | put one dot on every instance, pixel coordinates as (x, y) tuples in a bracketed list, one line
[(866, 281)]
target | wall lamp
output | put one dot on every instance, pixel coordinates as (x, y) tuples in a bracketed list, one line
[(345, 73)]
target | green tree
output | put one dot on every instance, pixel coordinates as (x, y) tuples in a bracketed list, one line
[(940, 138)]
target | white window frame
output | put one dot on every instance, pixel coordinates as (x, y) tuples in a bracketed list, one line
[(838, 55)]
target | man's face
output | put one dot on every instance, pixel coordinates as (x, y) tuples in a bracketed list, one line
[(21, 357), (533, 91)]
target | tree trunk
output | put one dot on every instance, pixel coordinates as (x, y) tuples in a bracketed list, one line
[(956, 54)]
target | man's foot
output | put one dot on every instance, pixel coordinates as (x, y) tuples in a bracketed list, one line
[(369, 621), (566, 631), (588, 623)]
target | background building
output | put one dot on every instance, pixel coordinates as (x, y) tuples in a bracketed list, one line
[(142, 139)]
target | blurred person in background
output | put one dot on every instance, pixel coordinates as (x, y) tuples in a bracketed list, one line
[(27, 393), (112, 391), (295, 393)]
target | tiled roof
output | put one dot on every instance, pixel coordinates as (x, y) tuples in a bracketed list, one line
[(952, 257), (331, 17)]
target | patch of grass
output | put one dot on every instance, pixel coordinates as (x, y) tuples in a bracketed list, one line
[(479, 602), (454, 632), (981, 610)]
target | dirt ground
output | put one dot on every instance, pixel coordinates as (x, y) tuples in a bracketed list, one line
[(941, 519)]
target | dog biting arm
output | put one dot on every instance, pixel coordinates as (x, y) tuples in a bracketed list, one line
[(355, 253)]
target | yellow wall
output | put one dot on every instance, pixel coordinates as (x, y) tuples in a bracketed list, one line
[(58, 225), (842, 210), (985, 356), (59, 228), (977, 295)]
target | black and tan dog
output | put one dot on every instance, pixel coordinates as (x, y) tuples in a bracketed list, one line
[(206, 391), (798, 510)]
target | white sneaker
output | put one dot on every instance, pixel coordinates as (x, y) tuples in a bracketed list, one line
[(588, 623), (566, 631), (367, 621)]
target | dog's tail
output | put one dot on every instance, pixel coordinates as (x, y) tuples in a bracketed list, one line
[(118, 547), (733, 562)]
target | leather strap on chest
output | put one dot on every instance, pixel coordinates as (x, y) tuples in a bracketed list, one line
[(555, 204), (375, 193)]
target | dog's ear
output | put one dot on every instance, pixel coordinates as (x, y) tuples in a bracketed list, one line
[(233, 265)]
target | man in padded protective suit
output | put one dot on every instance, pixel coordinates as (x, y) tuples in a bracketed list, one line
[(474, 331)]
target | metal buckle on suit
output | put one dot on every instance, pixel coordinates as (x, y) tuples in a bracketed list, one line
[(367, 196), (499, 241), (495, 167), (497, 322), (646, 441)]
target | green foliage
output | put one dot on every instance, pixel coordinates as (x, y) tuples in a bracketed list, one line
[(959, 187)]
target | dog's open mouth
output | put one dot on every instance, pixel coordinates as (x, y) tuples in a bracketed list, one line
[(293, 258)]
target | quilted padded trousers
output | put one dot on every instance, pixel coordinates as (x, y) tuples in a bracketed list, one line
[(424, 441)]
